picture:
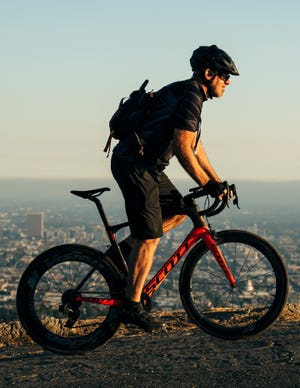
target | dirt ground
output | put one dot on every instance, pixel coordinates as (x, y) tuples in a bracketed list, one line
[(180, 356)]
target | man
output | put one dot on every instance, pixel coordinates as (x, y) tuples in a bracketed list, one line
[(151, 199)]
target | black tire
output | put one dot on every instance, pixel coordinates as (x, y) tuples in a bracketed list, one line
[(54, 275), (251, 307)]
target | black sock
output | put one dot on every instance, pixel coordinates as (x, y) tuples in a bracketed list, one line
[(129, 304)]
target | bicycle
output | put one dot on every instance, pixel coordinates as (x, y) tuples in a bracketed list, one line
[(233, 283)]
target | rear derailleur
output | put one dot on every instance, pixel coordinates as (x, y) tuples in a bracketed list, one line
[(70, 307)]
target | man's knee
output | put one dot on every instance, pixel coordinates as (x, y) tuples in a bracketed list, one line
[(172, 222), (180, 218)]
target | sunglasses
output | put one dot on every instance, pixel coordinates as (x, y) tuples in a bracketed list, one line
[(224, 76)]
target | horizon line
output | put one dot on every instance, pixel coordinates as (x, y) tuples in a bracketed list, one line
[(268, 180)]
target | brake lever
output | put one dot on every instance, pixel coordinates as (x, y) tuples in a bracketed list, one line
[(235, 196), (227, 197)]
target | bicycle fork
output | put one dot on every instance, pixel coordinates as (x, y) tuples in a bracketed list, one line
[(210, 242)]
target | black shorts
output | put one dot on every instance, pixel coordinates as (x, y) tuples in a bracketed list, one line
[(149, 196)]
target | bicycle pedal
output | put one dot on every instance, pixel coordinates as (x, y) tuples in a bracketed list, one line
[(73, 315)]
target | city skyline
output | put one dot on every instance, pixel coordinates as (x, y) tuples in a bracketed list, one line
[(78, 223), (65, 65)]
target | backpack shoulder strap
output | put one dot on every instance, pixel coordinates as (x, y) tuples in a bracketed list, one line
[(107, 147)]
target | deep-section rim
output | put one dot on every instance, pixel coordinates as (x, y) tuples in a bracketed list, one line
[(25, 300), (281, 286)]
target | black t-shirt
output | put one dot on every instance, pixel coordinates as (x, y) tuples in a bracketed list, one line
[(178, 105)]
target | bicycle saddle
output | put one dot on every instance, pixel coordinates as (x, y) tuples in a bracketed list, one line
[(87, 194)]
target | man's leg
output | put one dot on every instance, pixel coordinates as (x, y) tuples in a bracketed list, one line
[(141, 259), (139, 266)]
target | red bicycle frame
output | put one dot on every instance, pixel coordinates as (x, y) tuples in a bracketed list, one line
[(194, 236), (198, 233)]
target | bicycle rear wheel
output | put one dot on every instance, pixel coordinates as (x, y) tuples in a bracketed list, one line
[(46, 299), (256, 302)]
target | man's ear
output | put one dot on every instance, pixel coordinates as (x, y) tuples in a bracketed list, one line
[(209, 74)]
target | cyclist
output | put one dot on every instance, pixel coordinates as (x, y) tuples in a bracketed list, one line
[(150, 198)]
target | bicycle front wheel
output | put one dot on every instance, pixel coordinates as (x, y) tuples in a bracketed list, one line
[(227, 312), (47, 305)]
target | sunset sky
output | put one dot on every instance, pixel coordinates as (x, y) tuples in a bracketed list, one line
[(65, 64)]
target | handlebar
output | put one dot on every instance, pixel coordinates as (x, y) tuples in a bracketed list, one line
[(217, 206)]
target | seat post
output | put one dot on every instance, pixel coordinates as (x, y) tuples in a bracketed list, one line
[(110, 233), (104, 218)]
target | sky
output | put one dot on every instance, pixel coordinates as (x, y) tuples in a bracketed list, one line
[(65, 64)]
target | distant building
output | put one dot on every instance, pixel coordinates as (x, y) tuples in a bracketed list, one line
[(35, 225)]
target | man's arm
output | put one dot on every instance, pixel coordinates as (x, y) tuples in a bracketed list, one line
[(205, 163), (197, 166)]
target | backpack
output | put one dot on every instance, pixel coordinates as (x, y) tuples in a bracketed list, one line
[(129, 118)]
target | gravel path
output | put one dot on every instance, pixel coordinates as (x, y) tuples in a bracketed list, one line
[(181, 356)]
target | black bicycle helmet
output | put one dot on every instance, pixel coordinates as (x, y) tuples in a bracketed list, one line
[(213, 58)]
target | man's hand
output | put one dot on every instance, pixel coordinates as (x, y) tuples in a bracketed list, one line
[(215, 189)]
